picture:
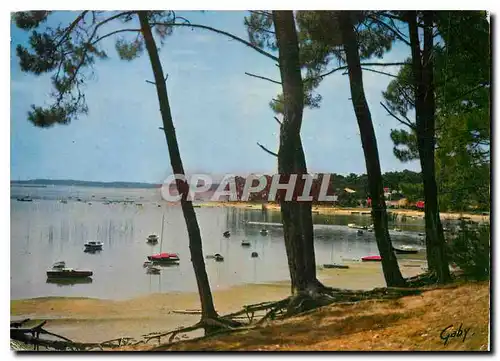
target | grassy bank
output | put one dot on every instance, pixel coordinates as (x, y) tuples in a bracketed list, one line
[(413, 323)]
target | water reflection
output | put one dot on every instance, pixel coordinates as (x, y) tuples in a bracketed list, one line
[(61, 282)]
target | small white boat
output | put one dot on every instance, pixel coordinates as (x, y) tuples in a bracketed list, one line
[(152, 239), (93, 246), (263, 232), (355, 226), (397, 229)]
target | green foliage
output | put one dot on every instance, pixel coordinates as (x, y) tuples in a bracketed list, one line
[(129, 50), (412, 191), (461, 74), (260, 30), (69, 52), (405, 144), (28, 20), (470, 250), (320, 44)]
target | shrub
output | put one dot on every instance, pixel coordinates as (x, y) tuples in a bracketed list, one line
[(470, 250)]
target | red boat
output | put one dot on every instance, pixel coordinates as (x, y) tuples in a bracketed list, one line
[(164, 258), (371, 259)]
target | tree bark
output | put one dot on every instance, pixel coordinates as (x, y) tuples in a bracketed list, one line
[(390, 265), (195, 244), (296, 216), (422, 66)]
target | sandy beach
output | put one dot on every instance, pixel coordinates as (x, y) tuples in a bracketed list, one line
[(97, 320), (327, 210)]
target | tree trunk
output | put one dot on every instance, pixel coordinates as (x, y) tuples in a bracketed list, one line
[(390, 265), (296, 216), (195, 245), (422, 66)]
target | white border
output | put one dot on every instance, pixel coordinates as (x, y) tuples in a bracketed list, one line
[(184, 5)]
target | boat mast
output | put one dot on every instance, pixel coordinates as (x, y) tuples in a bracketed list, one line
[(161, 236)]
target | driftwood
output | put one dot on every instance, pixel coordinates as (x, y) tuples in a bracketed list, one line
[(31, 336)]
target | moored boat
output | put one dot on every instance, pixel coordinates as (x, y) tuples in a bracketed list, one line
[(263, 232), (25, 199), (245, 243), (405, 250), (152, 239), (93, 246), (371, 259), (355, 226), (59, 270), (218, 257), (164, 258), (332, 265)]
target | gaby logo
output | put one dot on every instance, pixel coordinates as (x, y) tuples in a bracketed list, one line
[(459, 333), (291, 187)]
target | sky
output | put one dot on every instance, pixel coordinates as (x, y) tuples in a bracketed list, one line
[(219, 113)]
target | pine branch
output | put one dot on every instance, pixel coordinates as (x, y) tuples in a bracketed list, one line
[(113, 33), (362, 64), (408, 123), (263, 78), (222, 32), (267, 150), (70, 28), (380, 72), (394, 31)]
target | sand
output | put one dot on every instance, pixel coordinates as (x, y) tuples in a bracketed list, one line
[(97, 320), (327, 210)]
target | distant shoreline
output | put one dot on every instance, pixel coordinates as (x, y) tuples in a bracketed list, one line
[(43, 183), (328, 210)]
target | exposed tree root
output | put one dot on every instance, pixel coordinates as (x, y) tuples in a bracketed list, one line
[(210, 325)]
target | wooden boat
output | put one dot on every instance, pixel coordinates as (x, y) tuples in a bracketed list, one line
[(152, 239), (371, 259), (59, 270), (245, 243), (332, 265), (218, 257), (93, 246), (255, 254)]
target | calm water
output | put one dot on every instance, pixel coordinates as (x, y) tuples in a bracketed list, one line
[(45, 231)]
